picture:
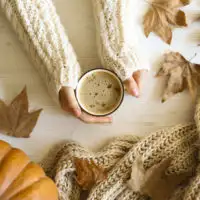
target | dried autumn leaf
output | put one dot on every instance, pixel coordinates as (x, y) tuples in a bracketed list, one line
[(88, 173), (4, 122), (154, 182), (162, 16), (181, 74), (15, 120)]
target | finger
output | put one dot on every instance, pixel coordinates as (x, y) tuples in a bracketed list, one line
[(132, 87), (137, 76), (75, 111), (68, 101), (92, 119)]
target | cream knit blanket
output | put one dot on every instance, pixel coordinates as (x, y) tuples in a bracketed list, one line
[(118, 157)]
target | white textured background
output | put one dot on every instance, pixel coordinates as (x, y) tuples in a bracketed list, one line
[(136, 116)]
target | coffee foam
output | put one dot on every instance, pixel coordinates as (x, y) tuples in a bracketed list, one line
[(99, 92)]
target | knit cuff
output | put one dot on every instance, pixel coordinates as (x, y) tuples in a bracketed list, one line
[(124, 63), (117, 37), (43, 36), (141, 60), (65, 77), (136, 62)]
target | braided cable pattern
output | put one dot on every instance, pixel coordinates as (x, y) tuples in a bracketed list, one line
[(118, 157), (40, 30), (163, 144), (42, 34), (62, 166), (112, 23), (192, 191), (128, 194)]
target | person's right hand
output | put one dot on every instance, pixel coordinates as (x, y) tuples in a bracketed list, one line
[(69, 104), (133, 84)]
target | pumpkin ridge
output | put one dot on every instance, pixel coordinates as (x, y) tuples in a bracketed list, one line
[(22, 179), (6, 152), (34, 166), (5, 161), (4, 157), (45, 184)]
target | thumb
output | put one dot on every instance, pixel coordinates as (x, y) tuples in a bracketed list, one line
[(68, 101), (132, 87)]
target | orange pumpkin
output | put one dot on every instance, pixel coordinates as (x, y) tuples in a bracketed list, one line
[(21, 179)]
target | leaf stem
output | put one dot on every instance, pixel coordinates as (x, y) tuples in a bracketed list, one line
[(193, 57)]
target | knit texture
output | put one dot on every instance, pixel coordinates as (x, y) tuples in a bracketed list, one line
[(118, 157), (179, 143), (42, 34), (117, 50), (59, 165)]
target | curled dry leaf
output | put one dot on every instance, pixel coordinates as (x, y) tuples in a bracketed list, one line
[(181, 74), (154, 182), (88, 173), (162, 16), (15, 120)]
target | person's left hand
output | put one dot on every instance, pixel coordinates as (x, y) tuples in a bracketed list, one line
[(133, 84), (69, 104)]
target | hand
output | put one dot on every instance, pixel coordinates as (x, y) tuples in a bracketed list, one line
[(133, 84), (69, 104)]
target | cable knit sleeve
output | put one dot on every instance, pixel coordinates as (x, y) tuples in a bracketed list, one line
[(41, 32), (119, 36)]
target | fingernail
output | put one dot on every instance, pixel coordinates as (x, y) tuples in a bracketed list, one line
[(136, 92)]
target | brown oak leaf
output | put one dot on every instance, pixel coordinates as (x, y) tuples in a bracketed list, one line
[(154, 182), (88, 173), (181, 74), (162, 16), (15, 120)]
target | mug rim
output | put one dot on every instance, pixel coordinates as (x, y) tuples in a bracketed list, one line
[(122, 92)]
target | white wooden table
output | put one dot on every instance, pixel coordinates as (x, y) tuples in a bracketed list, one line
[(136, 116)]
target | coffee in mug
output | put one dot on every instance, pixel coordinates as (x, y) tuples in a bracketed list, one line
[(99, 92)]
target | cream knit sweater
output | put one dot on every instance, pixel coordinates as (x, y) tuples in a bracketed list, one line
[(41, 32)]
